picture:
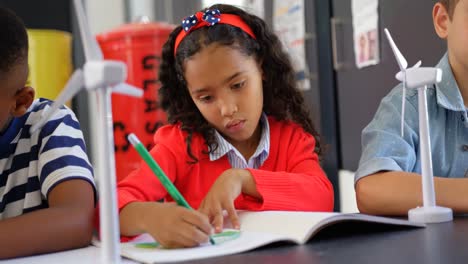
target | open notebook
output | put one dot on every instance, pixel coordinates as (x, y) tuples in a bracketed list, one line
[(259, 229)]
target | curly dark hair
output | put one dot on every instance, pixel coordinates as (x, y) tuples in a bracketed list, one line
[(13, 40), (282, 99)]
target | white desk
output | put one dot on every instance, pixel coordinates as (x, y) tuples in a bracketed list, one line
[(437, 243), (85, 255)]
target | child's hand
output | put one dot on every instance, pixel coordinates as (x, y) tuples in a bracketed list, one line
[(176, 226), (229, 185)]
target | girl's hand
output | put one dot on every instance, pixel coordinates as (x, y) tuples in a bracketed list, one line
[(175, 226), (229, 185)]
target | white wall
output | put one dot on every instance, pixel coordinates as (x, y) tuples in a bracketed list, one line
[(347, 193), (139, 8), (104, 15)]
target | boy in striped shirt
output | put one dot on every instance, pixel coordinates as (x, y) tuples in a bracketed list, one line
[(47, 192)]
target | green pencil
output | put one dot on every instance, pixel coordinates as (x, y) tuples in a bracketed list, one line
[(168, 185)]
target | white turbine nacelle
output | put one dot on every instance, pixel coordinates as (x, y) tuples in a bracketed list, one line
[(419, 77), (104, 73)]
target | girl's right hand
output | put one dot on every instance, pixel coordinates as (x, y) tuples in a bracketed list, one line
[(175, 226), (171, 225)]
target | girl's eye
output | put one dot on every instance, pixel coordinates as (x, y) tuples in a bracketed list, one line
[(238, 85), (205, 99)]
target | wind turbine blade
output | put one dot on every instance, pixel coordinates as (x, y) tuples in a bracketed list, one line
[(127, 89), (417, 64), (399, 57), (73, 86), (90, 45), (403, 101)]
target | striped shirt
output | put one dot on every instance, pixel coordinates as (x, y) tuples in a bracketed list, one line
[(32, 165), (235, 157)]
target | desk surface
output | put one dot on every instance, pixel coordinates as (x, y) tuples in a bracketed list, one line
[(437, 243), (85, 255)]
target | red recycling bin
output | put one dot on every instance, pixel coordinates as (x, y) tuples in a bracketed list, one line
[(139, 45)]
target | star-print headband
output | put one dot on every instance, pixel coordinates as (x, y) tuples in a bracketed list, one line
[(210, 18)]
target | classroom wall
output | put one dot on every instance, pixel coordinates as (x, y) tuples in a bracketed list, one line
[(58, 14), (114, 11), (332, 100)]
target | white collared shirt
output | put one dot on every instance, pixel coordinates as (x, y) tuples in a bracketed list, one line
[(235, 157)]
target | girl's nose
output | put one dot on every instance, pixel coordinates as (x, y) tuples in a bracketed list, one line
[(228, 108)]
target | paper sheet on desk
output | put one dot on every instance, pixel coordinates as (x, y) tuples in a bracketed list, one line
[(246, 241)]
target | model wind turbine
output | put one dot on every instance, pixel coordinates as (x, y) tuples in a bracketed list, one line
[(420, 78), (400, 76), (102, 77)]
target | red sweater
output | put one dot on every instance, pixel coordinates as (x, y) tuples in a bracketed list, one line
[(289, 179)]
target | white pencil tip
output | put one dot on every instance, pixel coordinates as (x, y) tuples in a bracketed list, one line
[(133, 139)]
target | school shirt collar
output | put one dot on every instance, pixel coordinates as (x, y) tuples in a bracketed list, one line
[(448, 93), (9, 135), (224, 147)]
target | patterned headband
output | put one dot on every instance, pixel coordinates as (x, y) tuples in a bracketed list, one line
[(210, 18)]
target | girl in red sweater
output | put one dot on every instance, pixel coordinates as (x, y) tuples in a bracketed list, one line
[(239, 134)]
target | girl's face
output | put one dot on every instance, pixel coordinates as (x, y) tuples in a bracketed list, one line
[(226, 86)]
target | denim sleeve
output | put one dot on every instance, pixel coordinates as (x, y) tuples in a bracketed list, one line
[(383, 148)]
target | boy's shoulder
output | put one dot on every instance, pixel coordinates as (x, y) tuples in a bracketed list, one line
[(63, 116), (397, 91), (20, 126), (40, 106)]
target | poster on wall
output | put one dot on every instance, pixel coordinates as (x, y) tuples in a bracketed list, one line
[(256, 7), (365, 32), (289, 25)]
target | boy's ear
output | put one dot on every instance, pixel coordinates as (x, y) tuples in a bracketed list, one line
[(441, 20), (23, 100)]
